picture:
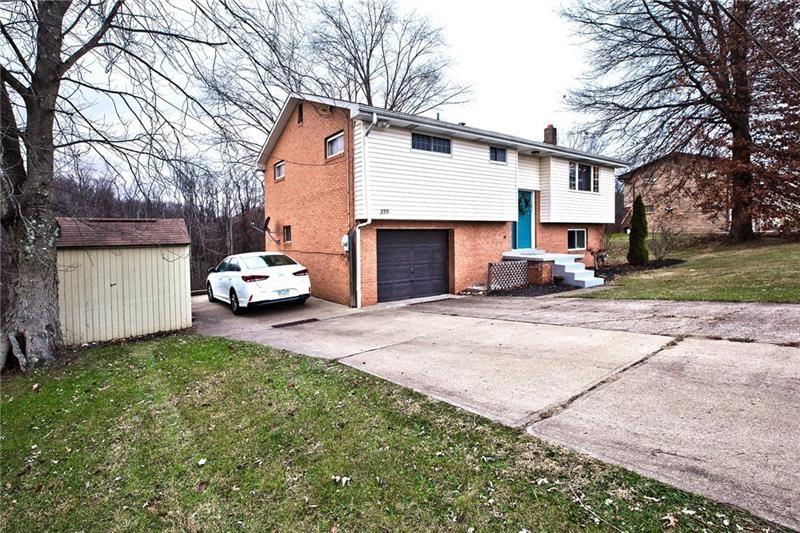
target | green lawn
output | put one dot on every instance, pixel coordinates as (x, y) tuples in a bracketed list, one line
[(764, 271), (191, 433)]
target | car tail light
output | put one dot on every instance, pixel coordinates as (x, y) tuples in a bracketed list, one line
[(248, 279), (303, 272)]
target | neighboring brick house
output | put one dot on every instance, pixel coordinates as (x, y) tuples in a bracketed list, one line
[(381, 205), (668, 186)]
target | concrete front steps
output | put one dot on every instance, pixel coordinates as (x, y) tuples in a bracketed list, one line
[(574, 273), (565, 266)]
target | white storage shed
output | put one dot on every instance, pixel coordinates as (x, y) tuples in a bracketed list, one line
[(121, 278)]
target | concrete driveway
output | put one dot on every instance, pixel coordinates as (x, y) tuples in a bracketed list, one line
[(703, 396)]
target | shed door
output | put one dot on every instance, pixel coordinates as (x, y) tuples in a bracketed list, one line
[(412, 264)]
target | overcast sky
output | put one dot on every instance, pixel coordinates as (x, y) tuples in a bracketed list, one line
[(519, 58)]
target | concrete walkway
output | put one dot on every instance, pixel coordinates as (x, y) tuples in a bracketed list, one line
[(647, 385)]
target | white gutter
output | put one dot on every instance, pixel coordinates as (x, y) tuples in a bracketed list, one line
[(366, 208)]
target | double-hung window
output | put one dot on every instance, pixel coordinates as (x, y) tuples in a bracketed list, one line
[(584, 177), (287, 234), (497, 154), (576, 239), (429, 143), (279, 170), (334, 145)]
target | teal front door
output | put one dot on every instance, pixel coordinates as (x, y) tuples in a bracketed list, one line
[(522, 228)]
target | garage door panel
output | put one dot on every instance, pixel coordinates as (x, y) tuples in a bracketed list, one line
[(412, 264)]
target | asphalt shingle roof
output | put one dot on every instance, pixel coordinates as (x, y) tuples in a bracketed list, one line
[(105, 232)]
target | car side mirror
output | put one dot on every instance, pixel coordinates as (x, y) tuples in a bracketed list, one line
[(212, 270)]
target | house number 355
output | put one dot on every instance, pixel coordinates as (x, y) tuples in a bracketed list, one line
[(384, 211)]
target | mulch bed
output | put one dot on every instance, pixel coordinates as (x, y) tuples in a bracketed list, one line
[(534, 290), (608, 273), (613, 271)]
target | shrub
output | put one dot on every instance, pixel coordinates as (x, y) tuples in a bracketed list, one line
[(665, 239), (637, 248)]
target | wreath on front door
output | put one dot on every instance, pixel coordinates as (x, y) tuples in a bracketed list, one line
[(524, 205)]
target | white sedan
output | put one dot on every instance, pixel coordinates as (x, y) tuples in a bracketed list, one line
[(248, 280)]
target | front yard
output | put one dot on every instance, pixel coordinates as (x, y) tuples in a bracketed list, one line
[(763, 271), (190, 433)]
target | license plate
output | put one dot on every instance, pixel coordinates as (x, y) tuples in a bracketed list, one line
[(283, 292)]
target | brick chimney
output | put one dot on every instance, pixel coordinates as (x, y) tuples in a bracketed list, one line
[(550, 135)]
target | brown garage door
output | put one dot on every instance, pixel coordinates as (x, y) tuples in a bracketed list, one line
[(412, 263)]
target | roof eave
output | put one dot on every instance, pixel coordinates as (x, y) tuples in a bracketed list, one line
[(365, 113), (283, 118)]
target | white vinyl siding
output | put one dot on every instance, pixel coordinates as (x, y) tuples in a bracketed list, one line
[(560, 204), (115, 293), (408, 184), (529, 173), (358, 169)]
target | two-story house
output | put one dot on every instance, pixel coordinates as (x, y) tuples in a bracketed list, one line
[(382, 205)]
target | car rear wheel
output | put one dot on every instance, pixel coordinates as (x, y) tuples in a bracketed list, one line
[(301, 301), (235, 308), (210, 293)]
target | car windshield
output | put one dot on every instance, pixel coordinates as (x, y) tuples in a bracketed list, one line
[(261, 261)]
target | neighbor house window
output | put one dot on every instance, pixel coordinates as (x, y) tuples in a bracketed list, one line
[(334, 145), (279, 170), (430, 144), (497, 154), (576, 239), (584, 177), (287, 234), (300, 114)]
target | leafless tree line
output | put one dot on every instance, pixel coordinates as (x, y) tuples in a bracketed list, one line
[(219, 212)]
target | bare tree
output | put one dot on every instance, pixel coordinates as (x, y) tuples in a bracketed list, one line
[(372, 53), (691, 75), (246, 82), (57, 60), (585, 140)]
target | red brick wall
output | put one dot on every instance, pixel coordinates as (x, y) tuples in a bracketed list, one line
[(314, 198), (540, 272), (669, 189), (552, 237), (473, 245)]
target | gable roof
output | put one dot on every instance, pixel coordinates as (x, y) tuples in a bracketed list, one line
[(106, 232), (421, 124), (664, 158)]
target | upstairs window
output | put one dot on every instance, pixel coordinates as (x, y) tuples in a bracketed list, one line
[(334, 145), (300, 114), (430, 144), (497, 154), (584, 177), (287, 234), (279, 170)]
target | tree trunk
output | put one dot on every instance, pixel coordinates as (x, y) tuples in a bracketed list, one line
[(741, 175), (741, 229), (30, 321)]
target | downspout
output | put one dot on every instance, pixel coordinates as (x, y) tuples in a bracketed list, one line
[(365, 174)]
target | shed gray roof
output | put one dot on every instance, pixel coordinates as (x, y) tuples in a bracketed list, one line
[(107, 232)]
